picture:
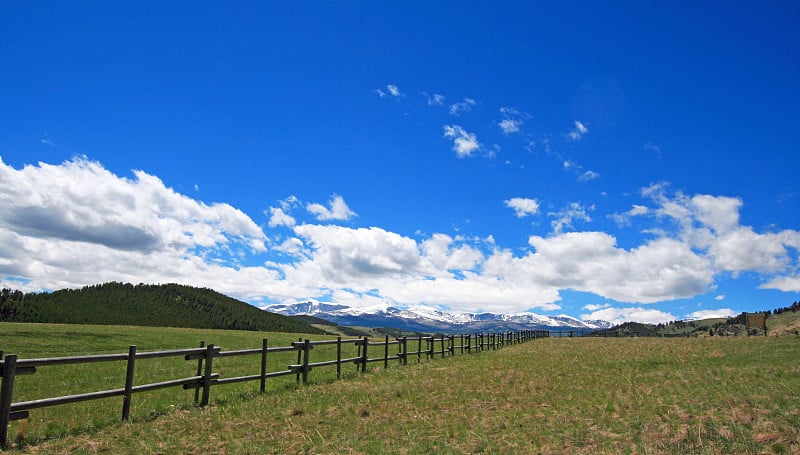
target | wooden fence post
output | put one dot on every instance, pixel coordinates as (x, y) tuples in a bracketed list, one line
[(6, 395), (199, 373), (207, 375), (386, 353), (419, 349), (405, 351), (299, 359), (364, 354), (126, 397), (339, 357), (306, 360), (264, 350)]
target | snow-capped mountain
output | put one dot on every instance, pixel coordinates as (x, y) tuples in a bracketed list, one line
[(426, 319)]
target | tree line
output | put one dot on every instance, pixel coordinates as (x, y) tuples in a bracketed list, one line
[(166, 305)]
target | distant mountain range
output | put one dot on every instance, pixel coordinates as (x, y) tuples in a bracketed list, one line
[(424, 319)]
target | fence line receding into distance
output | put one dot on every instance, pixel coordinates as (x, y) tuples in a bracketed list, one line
[(203, 377)]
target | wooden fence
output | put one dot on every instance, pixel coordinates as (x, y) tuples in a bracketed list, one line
[(204, 377)]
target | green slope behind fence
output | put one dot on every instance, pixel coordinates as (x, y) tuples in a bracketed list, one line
[(200, 371)]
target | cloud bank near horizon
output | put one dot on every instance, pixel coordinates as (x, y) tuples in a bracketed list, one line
[(77, 223)]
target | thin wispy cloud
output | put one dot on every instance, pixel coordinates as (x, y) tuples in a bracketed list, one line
[(390, 90), (588, 176), (578, 132), (566, 216), (435, 100), (462, 106)]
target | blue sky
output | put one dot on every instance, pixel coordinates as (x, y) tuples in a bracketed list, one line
[(602, 161)]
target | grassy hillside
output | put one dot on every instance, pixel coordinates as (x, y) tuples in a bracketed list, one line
[(780, 322), (169, 305)]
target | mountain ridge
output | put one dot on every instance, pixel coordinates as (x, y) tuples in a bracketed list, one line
[(426, 319)]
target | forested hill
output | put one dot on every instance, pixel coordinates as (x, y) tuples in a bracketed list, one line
[(168, 305)]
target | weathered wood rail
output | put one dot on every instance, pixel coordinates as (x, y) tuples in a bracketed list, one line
[(204, 377)]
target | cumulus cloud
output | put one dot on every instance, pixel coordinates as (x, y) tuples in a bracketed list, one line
[(711, 224), (523, 206), (337, 210), (464, 143), (80, 201), (77, 223), (578, 132), (280, 218), (462, 106), (595, 306), (634, 314), (783, 283), (709, 314)]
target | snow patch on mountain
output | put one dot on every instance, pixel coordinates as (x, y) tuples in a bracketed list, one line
[(424, 318)]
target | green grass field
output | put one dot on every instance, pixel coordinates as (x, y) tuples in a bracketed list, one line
[(579, 395)]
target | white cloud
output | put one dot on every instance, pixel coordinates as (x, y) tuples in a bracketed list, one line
[(597, 306), (743, 249), (709, 314), (578, 132), (512, 120), (783, 283), (462, 106), (588, 176), (464, 143), (75, 224), (81, 201), (523, 206), (717, 212), (653, 148), (436, 100), (510, 126), (637, 314), (711, 224), (662, 269), (337, 210), (280, 218), (623, 219), (720, 297), (565, 217), (391, 90), (291, 246)]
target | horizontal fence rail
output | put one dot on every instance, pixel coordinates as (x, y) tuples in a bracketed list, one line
[(203, 376)]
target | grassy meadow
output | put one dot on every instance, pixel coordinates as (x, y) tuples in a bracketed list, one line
[(579, 395)]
